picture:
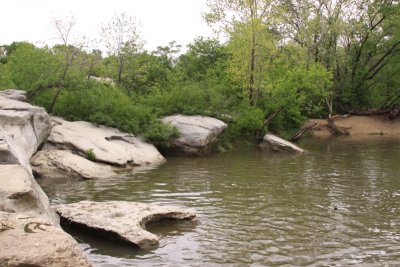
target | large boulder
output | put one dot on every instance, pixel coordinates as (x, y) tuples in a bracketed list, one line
[(197, 133), (29, 229), (32, 241), (107, 145), (279, 144), (19, 193), (62, 163), (120, 220), (23, 129)]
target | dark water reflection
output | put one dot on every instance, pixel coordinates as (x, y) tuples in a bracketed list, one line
[(338, 205)]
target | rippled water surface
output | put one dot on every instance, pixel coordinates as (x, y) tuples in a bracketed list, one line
[(338, 205)]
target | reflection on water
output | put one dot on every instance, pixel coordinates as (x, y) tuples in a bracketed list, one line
[(336, 205)]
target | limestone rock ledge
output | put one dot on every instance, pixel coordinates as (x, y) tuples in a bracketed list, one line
[(109, 145), (32, 241), (23, 128), (67, 150), (62, 163), (120, 220)]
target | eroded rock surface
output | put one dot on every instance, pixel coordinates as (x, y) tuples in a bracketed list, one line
[(279, 144), (62, 163), (23, 128), (14, 94), (32, 241), (19, 192), (197, 133), (121, 220), (108, 145)]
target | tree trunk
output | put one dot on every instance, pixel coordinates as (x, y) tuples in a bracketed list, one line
[(119, 75), (267, 120), (32, 93), (252, 69), (54, 100)]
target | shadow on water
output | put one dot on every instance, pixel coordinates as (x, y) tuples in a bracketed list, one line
[(111, 244)]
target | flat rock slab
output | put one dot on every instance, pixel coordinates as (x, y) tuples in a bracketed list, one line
[(62, 163), (109, 145), (196, 133), (121, 220), (279, 144), (32, 241)]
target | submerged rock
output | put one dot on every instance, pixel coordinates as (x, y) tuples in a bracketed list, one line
[(197, 133), (32, 241), (19, 193), (279, 144), (120, 220), (107, 145), (62, 163)]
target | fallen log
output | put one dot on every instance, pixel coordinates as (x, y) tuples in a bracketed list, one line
[(302, 131)]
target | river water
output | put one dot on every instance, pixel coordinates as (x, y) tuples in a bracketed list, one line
[(337, 205)]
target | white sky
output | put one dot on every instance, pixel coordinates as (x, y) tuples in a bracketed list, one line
[(161, 21)]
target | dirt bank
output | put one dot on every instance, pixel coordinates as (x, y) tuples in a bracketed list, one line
[(359, 125)]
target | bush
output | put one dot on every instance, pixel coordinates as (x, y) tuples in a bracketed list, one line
[(189, 98), (107, 105), (90, 154)]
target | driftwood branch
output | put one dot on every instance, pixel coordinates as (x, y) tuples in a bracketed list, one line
[(302, 131)]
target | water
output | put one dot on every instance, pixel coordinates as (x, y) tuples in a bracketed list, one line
[(338, 205)]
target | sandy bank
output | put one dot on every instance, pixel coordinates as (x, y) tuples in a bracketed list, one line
[(359, 125)]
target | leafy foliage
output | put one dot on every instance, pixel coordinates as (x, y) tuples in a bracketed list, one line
[(90, 155), (282, 62)]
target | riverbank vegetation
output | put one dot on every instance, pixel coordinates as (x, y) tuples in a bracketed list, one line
[(280, 63)]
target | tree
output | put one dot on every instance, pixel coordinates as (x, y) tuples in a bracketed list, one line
[(356, 40), (32, 68), (121, 38), (246, 23), (92, 61), (204, 56), (63, 28)]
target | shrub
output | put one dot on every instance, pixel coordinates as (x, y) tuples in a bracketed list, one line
[(90, 154)]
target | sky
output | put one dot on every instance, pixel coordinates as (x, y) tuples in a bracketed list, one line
[(161, 21)]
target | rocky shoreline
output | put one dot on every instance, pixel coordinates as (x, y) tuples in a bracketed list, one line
[(35, 145)]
